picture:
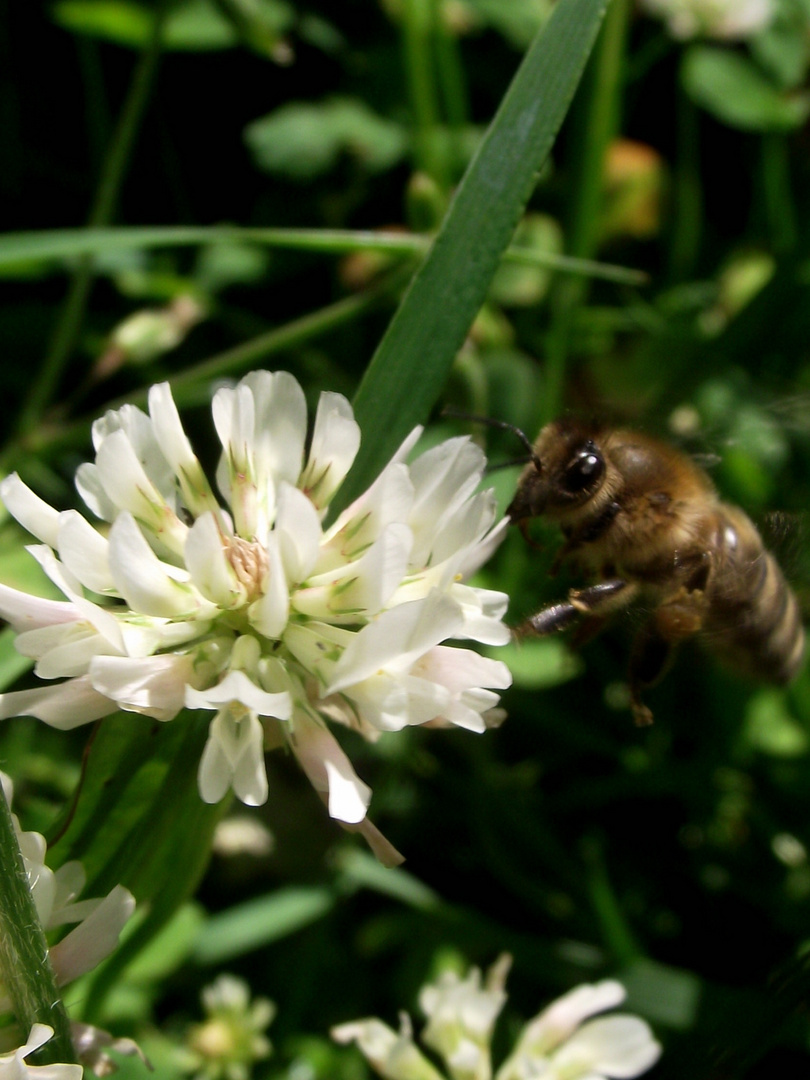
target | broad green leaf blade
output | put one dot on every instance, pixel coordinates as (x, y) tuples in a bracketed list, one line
[(193, 26), (359, 870), (258, 922), (139, 821), (413, 360), (304, 139), (140, 780), (735, 91)]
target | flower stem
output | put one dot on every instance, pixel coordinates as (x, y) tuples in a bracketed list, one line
[(419, 33), (25, 966), (452, 87), (777, 190), (598, 118), (687, 223), (616, 930)]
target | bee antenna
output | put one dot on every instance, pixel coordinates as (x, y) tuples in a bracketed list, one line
[(523, 460), (503, 425)]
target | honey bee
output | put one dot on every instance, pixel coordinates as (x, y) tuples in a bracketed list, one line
[(645, 524)]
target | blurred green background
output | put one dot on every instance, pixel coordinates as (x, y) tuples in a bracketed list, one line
[(675, 857)]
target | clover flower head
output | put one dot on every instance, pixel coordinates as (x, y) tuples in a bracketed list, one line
[(231, 1039), (248, 605), (730, 20), (461, 1018), (562, 1043), (394, 1055)]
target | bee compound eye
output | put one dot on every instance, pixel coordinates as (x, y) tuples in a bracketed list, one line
[(584, 470)]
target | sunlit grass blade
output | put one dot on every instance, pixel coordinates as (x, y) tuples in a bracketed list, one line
[(414, 358)]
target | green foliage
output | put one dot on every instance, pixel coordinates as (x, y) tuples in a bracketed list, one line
[(303, 140), (296, 171), (247, 927), (518, 21), (732, 89), (192, 25)]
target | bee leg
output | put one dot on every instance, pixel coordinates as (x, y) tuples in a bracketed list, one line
[(551, 620), (596, 600), (677, 618), (603, 598), (650, 657)]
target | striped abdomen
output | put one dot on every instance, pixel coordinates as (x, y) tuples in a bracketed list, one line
[(754, 621)]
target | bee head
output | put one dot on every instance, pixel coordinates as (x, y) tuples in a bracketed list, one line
[(567, 469)]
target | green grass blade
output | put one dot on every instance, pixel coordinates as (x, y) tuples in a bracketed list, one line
[(25, 248), (413, 360), (258, 922)]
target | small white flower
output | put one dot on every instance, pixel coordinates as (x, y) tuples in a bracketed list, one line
[(394, 1055), (558, 1045), (723, 19), (561, 1043), (461, 1018), (248, 607), (91, 1045), (13, 1065), (229, 1042), (240, 834)]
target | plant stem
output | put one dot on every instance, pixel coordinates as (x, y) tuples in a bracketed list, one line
[(616, 931), (688, 194), (453, 90), (598, 118), (25, 965), (71, 317), (419, 30), (779, 204)]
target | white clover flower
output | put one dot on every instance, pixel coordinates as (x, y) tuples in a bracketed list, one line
[(13, 1065), (253, 609), (461, 1018), (229, 1042), (561, 1043), (729, 20), (558, 1045), (100, 921), (394, 1055)]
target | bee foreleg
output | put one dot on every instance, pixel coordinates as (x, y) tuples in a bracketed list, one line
[(597, 600), (603, 598), (551, 620)]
